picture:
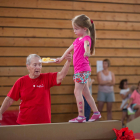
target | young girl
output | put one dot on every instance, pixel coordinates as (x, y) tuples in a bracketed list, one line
[(125, 94), (83, 47), (135, 101)]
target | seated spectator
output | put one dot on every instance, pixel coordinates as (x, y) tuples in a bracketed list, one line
[(135, 101), (125, 93)]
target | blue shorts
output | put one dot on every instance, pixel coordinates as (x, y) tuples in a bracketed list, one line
[(81, 77)]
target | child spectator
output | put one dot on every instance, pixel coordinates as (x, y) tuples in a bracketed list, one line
[(125, 94), (135, 101)]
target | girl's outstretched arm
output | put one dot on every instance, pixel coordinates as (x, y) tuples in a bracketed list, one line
[(87, 48), (58, 60)]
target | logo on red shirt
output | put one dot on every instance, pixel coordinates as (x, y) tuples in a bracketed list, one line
[(40, 86)]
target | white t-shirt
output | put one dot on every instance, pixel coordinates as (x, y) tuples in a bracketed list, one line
[(124, 91)]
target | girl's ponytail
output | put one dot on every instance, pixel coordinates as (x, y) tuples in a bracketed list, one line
[(93, 38)]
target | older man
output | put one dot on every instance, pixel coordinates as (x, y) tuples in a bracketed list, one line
[(34, 92)]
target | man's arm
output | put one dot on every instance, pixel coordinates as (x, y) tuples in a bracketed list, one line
[(6, 103), (64, 71)]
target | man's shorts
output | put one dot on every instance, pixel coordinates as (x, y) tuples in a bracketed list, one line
[(81, 77), (106, 97)]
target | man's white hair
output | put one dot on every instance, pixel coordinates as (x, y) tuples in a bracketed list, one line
[(28, 59)]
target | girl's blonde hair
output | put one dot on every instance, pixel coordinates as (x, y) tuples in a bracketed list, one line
[(84, 22)]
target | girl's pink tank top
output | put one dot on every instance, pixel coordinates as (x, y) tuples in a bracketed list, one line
[(80, 62)]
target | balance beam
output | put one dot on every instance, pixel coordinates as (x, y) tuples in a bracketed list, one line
[(134, 125), (61, 131)]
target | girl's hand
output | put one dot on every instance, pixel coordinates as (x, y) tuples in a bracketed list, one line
[(92, 80), (87, 54), (58, 60)]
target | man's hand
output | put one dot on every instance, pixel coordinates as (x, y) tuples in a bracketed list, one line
[(69, 57)]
